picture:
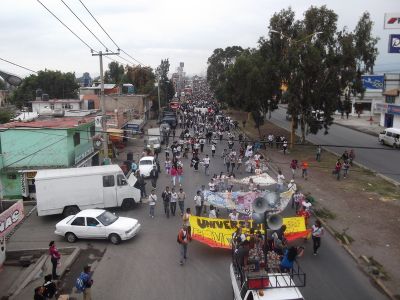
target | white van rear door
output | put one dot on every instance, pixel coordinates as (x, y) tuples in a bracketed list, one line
[(132, 180)]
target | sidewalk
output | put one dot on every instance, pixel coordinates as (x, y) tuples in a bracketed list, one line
[(362, 124)]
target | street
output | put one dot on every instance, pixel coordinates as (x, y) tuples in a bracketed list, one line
[(384, 160), (147, 266)]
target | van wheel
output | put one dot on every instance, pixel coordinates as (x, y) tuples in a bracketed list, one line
[(70, 237), (382, 142), (114, 238), (70, 211), (128, 204)]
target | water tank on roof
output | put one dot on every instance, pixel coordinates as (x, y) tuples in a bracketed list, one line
[(45, 97), (39, 93)]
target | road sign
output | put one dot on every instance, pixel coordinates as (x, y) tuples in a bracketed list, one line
[(394, 43), (392, 21)]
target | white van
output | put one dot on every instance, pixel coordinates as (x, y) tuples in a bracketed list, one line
[(68, 191), (391, 137)]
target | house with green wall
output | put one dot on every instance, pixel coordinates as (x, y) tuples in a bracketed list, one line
[(26, 147)]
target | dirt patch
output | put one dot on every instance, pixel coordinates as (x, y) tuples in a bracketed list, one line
[(363, 207)]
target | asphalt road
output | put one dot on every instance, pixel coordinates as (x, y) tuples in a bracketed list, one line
[(383, 160), (147, 266)]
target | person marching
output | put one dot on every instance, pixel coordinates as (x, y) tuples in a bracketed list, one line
[(183, 239), (166, 196), (317, 232), (152, 202)]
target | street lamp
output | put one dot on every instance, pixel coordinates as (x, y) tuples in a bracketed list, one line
[(293, 42)]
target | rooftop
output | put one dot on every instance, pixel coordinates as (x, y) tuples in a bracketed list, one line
[(59, 123), (57, 101)]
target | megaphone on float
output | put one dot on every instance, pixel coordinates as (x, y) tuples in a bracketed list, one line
[(258, 218), (274, 222), (272, 199), (260, 205)]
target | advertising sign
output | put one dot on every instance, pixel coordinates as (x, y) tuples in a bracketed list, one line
[(372, 82), (392, 21), (394, 43), (11, 217)]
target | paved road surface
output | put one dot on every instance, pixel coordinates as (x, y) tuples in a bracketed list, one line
[(384, 160), (146, 267)]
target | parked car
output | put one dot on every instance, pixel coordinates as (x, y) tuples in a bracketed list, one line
[(391, 137), (97, 224), (146, 164)]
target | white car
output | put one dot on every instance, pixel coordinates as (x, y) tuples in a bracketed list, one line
[(146, 164), (97, 224)]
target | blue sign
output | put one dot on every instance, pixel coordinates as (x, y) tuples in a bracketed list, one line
[(393, 109), (372, 82), (394, 43)]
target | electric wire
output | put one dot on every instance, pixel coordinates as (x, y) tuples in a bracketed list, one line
[(119, 48), (85, 25), (12, 63)]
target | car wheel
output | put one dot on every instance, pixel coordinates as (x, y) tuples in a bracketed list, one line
[(128, 204), (382, 142), (70, 211), (70, 237), (114, 238)]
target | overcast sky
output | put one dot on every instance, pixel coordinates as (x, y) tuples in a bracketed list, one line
[(150, 30)]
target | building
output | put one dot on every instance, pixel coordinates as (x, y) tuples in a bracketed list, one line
[(91, 95), (26, 147), (390, 108), (45, 107)]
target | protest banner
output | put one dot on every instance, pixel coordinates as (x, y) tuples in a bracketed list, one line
[(11, 217), (217, 233)]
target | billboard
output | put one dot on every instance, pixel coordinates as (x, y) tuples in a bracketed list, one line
[(372, 82), (394, 43), (392, 21)]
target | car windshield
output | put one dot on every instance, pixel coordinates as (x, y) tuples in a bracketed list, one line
[(107, 218), (145, 162)]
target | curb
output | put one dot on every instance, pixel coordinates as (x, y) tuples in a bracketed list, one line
[(357, 129), (377, 281)]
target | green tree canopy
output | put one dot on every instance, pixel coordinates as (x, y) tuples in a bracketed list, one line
[(54, 83), (115, 73)]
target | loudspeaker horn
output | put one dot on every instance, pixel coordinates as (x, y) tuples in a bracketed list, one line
[(258, 218), (274, 222), (260, 205)]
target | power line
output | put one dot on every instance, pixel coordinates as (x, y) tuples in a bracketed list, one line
[(17, 65), (118, 48), (84, 25), (87, 45)]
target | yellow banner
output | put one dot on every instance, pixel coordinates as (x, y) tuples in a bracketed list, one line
[(218, 232)]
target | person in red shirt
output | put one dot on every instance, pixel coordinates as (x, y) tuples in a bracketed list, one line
[(55, 257), (304, 169)]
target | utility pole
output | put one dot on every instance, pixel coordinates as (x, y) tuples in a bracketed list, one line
[(159, 100), (106, 160)]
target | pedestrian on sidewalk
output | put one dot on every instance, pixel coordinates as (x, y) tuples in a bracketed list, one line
[(181, 201), (55, 257), (152, 202), (84, 283), (317, 232), (304, 169), (280, 182), (197, 203), (352, 157), (338, 168), (285, 146), (50, 288), (318, 153), (166, 196), (183, 240), (174, 199), (346, 167)]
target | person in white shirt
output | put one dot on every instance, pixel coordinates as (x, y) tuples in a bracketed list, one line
[(213, 148), (211, 185), (152, 202), (174, 198), (206, 162), (213, 213), (234, 215), (317, 232), (197, 203), (280, 181), (292, 186)]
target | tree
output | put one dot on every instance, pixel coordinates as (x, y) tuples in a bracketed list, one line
[(2, 84), (54, 83), (167, 90), (115, 73), (5, 115), (142, 78)]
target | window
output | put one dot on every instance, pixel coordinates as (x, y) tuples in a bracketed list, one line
[(92, 130), (146, 162), (67, 106), (390, 99), (52, 106), (11, 176), (121, 180), (389, 134), (108, 181), (107, 218), (79, 221), (91, 222), (77, 138)]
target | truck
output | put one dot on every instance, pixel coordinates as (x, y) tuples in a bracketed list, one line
[(153, 140), (267, 283), (67, 191), (134, 126)]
